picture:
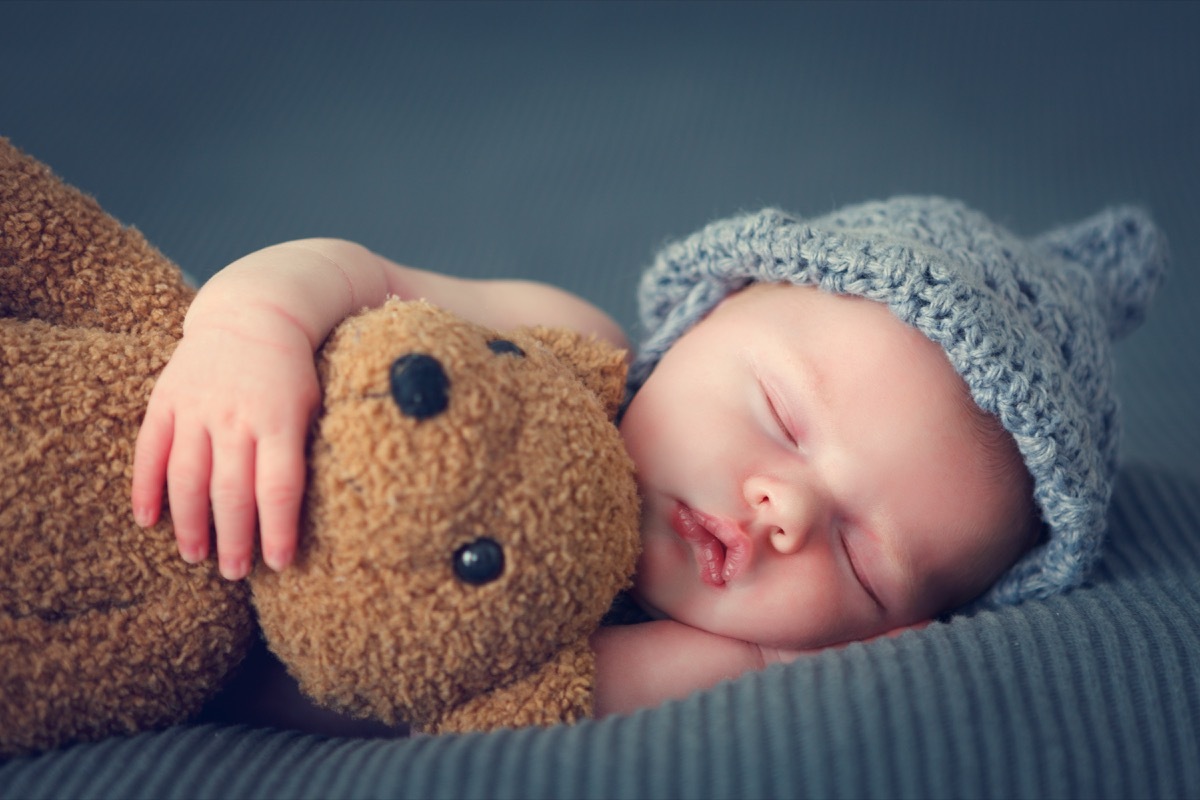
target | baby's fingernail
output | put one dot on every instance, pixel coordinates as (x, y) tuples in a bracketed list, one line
[(142, 517), (191, 555), (275, 559), (234, 569)]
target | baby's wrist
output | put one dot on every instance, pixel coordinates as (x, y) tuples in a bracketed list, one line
[(245, 315)]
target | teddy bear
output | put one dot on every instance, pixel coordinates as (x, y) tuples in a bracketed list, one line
[(470, 512)]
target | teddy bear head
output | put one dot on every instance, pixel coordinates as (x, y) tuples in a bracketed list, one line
[(470, 515)]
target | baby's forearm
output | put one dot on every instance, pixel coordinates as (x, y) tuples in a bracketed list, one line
[(641, 666), (316, 283), (312, 284)]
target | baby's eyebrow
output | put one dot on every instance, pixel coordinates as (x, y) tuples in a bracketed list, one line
[(799, 380), (812, 375)]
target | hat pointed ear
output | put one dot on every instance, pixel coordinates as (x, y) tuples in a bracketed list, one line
[(1126, 254), (600, 366)]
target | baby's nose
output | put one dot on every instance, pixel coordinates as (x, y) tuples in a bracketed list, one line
[(419, 386), (785, 512)]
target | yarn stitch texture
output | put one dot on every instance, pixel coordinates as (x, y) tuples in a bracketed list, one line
[(1028, 324)]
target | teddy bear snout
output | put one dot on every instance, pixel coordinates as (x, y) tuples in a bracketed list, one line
[(420, 386)]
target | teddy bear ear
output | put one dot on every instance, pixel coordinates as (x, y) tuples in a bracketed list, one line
[(598, 364)]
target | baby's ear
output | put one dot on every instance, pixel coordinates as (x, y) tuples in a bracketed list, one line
[(1126, 254)]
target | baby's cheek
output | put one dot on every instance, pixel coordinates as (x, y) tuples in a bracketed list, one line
[(662, 570)]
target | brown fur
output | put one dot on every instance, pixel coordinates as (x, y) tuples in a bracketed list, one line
[(105, 630)]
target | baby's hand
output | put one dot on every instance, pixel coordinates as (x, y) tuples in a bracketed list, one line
[(226, 424)]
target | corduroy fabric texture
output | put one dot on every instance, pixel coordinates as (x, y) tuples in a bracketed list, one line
[(1027, 324)]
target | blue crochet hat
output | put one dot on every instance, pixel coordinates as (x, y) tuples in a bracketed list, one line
[(1028, 324)]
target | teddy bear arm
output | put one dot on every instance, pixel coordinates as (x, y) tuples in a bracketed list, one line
[(88, 673), (561, 691), (103, 628)]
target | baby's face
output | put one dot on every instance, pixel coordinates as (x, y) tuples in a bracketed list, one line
[(810, 475)]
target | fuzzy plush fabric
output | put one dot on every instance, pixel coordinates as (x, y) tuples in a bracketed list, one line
[(103, 628), (502, 452), (470, 511), (1026, 323)]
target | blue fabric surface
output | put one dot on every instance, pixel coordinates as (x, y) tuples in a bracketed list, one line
[(567, 142)]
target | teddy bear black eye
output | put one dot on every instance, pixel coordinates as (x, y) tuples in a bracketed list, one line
[(419, 386), (479, 562), (502, 346)]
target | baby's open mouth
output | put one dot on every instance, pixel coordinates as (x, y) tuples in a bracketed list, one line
[(719, 547)]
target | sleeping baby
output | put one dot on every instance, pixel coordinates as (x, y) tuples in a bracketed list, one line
[(842, 427)]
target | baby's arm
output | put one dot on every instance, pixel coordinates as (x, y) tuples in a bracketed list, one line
[(640, 666), (227, 420)]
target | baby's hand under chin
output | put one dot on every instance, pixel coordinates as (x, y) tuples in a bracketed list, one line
[(640, 666), (225, 428)]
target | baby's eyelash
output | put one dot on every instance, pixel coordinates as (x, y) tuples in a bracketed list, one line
[(854, 568), (778, 419)]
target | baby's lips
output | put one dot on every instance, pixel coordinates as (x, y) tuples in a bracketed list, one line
[(734, 543), (713, 557)]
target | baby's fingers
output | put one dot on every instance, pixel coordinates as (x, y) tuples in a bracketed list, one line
[(150, 467), (232, 493), (280, 489), (188, 470)]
